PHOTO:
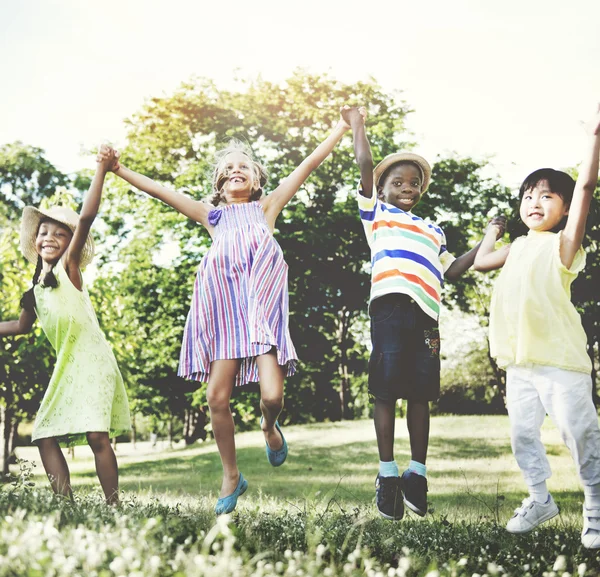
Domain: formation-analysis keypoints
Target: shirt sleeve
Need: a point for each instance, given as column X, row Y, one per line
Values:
column 366, row 204
column 446, row 258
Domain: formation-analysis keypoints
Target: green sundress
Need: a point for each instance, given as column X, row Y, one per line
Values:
column 86, row 391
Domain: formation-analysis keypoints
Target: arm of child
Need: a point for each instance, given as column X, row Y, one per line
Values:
column 362, row 150
column 89, row 211
column 482, row 256
column 19, row 327
column 274, row 203
column 574, row 231
column 186, row 205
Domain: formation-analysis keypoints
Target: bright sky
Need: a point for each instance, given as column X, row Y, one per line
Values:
column 509, row 78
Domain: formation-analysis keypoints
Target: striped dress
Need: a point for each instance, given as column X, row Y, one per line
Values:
column 240, row 302
column 408, row 254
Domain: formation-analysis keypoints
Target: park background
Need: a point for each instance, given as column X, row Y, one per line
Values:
column 487, row 91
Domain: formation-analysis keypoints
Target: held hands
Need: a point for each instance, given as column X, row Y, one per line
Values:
column 498, row 224
column 108, row 158
column 352, row 115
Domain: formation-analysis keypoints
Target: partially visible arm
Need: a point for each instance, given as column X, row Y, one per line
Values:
column 89, row 211
column 274, row 203
column 574, row 231
column 18, row 327
column 362, row 148
column 486, row 258
column 194, row 209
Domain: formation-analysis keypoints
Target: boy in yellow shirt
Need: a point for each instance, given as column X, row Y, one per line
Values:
column 537, row 336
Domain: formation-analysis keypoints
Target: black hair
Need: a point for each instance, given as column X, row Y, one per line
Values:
column 559, row 182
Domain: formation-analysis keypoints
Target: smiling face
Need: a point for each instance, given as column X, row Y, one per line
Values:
column 402, row 184
column 52, row 240
column 238, row 176
column 541, row 209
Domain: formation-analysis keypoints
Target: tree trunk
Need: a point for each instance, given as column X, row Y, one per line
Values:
column 499, row 374
column 6, row 433
column 344, row 391
column 170, row 432
column 133, row 431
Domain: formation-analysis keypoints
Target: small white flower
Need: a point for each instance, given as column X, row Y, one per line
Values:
column 560, row 564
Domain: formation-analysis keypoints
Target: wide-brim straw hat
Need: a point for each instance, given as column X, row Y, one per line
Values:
column 392, row 159
column 30, row 224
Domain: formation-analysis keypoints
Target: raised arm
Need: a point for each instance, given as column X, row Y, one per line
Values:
column 274, row 203
column 194, row 209
column 362, row 149
column 486, row 258
column 19, row 327
column 574, row 231
column 89, row 211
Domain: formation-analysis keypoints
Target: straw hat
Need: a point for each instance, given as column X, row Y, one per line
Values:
column 391, row 159
column 31, row 223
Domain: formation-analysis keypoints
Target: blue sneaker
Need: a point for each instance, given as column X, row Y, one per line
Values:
column 276, row 458
column 227, row 504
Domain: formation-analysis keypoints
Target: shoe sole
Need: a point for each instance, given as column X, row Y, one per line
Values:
column 545, row 518
column 389, row 517
column 414, row 508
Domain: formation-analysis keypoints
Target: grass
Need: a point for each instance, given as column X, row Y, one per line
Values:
column 320, row 504
column 470, row 464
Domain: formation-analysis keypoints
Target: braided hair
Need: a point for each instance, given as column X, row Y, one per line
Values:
column 49, row 281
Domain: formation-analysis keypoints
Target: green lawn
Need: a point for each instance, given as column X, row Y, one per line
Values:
column 470, row 465
column 313, row 516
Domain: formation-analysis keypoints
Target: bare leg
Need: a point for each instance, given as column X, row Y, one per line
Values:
column 385, row 421
column 271, row 396
column 106, row 465
column 55, row 466
column 417, row 417
column 218, row 395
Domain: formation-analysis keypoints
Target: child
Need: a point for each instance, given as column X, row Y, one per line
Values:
column 237, row 328
column 536, row 334
column 409, row 262
column 85, row 400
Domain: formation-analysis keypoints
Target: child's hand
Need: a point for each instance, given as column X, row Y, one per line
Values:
column 352, row 115
column 108, row 157
column 498, row 223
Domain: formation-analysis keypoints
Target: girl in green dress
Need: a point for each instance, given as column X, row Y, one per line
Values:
column 85, row 401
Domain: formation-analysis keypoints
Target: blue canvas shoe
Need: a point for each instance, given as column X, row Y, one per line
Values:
column 227, row 504
column 276, row 458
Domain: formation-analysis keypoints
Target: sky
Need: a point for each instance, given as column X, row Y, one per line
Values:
column 507, row 80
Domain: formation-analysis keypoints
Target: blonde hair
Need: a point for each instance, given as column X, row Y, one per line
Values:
column 219, row 176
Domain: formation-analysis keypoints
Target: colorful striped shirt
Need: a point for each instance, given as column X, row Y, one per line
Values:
column 408, row 254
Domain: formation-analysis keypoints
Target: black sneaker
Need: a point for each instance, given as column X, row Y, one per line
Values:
column 389, row 498
column 414, row 488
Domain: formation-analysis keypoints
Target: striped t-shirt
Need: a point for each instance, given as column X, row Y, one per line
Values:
column 408, row 255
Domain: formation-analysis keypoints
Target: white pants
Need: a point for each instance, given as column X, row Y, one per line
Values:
column 534, row 390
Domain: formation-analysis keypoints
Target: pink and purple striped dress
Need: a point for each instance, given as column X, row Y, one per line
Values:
column 240, row 303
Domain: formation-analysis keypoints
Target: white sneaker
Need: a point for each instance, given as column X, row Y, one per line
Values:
column 590, row 536
column 531, row 514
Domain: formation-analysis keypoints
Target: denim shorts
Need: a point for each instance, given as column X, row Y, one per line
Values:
column 405, row 362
